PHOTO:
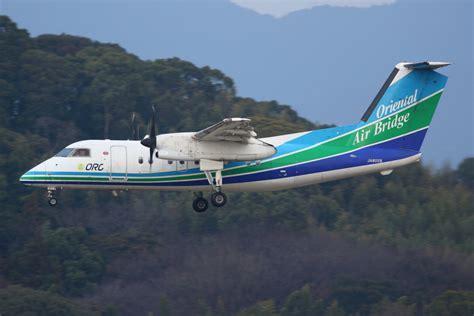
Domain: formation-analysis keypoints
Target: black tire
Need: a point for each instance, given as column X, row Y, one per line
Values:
column 200, row 204
column 218, row 199
column 52, row 202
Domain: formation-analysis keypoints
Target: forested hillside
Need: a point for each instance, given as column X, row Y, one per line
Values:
column 396, row 245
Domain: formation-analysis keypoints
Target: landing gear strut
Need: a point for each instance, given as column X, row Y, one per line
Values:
column 218, row 198
column 52, row 201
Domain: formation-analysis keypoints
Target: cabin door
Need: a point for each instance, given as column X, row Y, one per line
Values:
column 118, row 163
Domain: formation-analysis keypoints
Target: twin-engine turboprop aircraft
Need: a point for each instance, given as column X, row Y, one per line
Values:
column 229, row 156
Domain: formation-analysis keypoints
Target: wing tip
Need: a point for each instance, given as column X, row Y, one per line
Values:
column 236, row 119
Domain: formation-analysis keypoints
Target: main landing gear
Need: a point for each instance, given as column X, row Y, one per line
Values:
column 52, row 201
column 218, row 198
column 200, row 203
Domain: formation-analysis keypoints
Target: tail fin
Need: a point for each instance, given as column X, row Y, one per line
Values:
column 405, row 104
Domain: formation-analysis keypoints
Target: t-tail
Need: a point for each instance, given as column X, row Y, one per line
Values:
column 402, row 110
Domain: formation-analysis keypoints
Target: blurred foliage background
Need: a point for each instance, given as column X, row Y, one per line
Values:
column 372, row 245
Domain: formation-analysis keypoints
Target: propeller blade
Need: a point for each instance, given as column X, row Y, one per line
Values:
column 150, row 139
column 152, row 129
column 134, row 132
column 150, row 160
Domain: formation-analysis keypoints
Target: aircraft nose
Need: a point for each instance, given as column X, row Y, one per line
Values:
column 25, row 176
column 38, row 172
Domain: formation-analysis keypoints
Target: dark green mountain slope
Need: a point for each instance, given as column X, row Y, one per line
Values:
column 373, row 245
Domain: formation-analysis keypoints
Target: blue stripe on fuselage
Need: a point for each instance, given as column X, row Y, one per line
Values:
column 299, row 143
column 385, row 152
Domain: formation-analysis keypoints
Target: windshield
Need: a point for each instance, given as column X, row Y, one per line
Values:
column 74, row 152
column 64, row 152
column 81, row 152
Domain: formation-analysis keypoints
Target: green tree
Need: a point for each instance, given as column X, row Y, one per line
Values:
column 13, row 43
column 465, row 171
column 301, row 303
column 164, row 307
column 20, row 301
column 360, row 296
column 334, row 310
column 59, row 260
column 454, row 303
column 263, row 308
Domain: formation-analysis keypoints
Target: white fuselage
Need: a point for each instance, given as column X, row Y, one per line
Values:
column 123, row 165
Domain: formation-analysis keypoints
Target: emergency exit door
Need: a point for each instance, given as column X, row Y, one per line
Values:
column 118, row 163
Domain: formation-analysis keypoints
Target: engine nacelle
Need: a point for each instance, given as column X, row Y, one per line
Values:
column 182, row 146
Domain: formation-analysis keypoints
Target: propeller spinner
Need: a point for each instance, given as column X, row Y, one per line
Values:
column 150, row 139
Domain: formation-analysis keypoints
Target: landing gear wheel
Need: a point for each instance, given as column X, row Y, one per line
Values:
column 218, row 199
column 200, row 204
column 52, row 201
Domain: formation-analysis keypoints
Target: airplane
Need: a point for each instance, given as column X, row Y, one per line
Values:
column 228, row 156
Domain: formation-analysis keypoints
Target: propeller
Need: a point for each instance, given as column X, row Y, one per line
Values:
column 150, row 139
column 135, row 127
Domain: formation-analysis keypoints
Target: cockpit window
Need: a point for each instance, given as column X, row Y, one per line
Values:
column 74, row 152
column 81, row 152
column 64, row 152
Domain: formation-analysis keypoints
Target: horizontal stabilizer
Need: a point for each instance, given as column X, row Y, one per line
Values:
column 426, row 65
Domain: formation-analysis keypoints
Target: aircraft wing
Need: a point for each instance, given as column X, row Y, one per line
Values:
column 234, row 129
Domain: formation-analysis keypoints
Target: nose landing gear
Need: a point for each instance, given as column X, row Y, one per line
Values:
column 52, row 201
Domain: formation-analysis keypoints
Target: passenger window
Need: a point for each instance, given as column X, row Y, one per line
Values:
column 81, row 152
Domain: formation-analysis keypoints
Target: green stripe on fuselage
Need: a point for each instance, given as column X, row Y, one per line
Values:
column 408, row 120
column 419, row 116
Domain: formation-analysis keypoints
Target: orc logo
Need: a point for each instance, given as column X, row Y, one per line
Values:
column 95, row 166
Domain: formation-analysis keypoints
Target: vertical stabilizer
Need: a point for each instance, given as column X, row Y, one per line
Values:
column 405, row 104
